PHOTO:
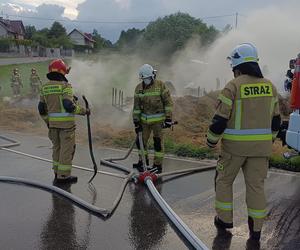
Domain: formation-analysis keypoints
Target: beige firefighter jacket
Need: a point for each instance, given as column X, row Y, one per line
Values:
column 16, row 80
column 249, row 104
column 35, row 80
column 53, row 94
column 152, row 104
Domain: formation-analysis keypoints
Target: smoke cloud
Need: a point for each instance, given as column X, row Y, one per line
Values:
column 272, row 30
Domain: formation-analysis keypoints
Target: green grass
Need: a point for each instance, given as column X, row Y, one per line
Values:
column 25, row 72
column 178, row 149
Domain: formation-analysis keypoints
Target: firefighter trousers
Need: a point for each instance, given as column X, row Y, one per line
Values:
column 16, row 89
column 255, row 171
column 63, row 141
column 35, row 89
column 158, row 142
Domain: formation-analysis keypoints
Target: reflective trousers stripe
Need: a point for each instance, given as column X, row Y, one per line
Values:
column 257, row 214
column 64, row 168
column 143, row 152
column 226, row 206
column 213, row 137
column 159, row 155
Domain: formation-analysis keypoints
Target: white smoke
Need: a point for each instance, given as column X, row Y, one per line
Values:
column 275, row 33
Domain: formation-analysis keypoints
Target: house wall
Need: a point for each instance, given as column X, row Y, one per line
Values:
column 3, row 32
column 89, row 43
column 77, row 38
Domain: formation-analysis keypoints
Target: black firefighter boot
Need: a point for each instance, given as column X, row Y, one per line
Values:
column 254, row 235
column 139, row 165
column 221, row 224
column 66, row 179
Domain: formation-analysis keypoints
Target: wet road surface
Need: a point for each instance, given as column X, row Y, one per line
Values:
column 34, row 219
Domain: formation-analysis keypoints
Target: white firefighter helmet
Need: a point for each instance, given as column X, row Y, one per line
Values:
column 146, row 71
column 243, row 53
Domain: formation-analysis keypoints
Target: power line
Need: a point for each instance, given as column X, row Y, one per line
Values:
column 105, row 21
column 214, row 17
column 78, row 21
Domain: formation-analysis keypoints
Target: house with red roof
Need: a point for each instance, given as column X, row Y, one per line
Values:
column 12, row 29
column 81, row 39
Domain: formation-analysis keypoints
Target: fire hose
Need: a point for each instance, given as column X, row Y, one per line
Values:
column 90, row 139
column 102, row 212
column 147, row 178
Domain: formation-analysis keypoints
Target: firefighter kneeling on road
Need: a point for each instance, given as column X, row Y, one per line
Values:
column 58, row 108
column 151, row 112
column 247, row 119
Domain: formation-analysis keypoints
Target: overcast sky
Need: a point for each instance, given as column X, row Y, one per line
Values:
column 86, row 11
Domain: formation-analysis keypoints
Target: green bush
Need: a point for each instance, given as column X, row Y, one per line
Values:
column 189, row 150
column 277, row 161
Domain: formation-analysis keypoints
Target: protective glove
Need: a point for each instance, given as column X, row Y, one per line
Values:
column 87, row 111
column 167, row 123
column 138, row 127
column 75, row 98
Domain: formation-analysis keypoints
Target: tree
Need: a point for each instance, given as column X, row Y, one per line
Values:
column 57, row 30
column 100, row 42
column 30, row 30
column 175, row 30
column 129, row 38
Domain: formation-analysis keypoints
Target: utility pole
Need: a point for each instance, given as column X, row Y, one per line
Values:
column 236, row 20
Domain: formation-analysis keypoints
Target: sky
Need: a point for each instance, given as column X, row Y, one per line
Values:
column 88, row 14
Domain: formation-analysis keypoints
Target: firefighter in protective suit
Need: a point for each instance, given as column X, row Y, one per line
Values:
column 35, row 82
column 16, row 82
column 247, row 120
column 151, row 112
column 58, row 108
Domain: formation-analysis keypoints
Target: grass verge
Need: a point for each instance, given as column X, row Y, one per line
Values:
column 171, row 147
column 25, row 72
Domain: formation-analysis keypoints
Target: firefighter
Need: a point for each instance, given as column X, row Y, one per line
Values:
column 247, row 120
column 35, row 82
column 58, row 108
column 289, row 76
column 16, row 83
column 152, row 110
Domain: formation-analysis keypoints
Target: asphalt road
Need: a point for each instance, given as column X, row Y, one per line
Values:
column 34, row 219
